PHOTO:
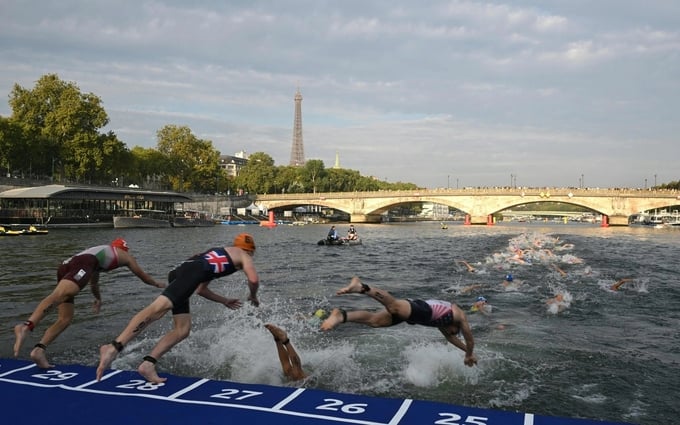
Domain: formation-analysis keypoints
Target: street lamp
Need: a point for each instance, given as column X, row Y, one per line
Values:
column 583, row 183
column 654, row 180
column 448, row 181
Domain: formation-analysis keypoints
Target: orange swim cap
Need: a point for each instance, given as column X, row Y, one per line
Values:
column 245, row 242
column 120, row 243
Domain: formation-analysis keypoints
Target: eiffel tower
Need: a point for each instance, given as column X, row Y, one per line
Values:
column 297, row 152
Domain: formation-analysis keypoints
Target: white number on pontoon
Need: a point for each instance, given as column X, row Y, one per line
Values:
column 141, row 385
column 55, row 375
column 455, row 419
column 229, row 393
column 335, row 405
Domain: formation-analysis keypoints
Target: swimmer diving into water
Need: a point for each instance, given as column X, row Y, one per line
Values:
column 443, row 315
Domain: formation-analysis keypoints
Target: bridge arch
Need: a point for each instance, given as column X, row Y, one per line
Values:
column 617, row 204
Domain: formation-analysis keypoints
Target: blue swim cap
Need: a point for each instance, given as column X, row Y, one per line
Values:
column 508, row 277
column 480, row 298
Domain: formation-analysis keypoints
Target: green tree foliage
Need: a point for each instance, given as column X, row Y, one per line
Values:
column 13, row 146
column 289, row 179
column 148, row 168
column 193, row 163
column 313, row 173
column 258, row 175
column 674, row 185
column 61, row 125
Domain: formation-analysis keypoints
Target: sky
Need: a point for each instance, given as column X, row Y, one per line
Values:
column 554, row 93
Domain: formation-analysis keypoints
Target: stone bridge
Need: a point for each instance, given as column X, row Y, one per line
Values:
column 480, row 204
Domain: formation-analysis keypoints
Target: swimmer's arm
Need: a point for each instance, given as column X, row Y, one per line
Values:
column 620, row 283
column 467, row 335
column 453, row 339
column 140, row 273
column 469, row 345
column 253, row 279
column 208, row 294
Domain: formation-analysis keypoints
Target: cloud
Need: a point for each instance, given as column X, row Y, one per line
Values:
column 405, row 91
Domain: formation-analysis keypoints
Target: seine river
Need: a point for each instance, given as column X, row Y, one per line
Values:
column 610, row 355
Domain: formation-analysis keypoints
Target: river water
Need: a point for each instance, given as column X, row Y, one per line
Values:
column 610, row 355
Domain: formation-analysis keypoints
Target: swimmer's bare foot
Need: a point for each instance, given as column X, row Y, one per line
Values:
column 148, row 370
column 107, row 353
column 20, row 332
column 39, row 357
column 334, row 319
column 279, row 334
column 354, row 287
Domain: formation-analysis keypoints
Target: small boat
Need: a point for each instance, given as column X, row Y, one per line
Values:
column 192, row 218
column 341, row 241
column 32, row 230
column 10, row 232
column 142, row 218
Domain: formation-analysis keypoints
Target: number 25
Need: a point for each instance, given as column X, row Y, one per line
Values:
column 454, row 419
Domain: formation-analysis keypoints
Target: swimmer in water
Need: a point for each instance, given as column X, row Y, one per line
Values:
column 443, row 315
column 467, row 289
column 509, row 283
column 468, row 265
column 481, row 306
column 617, row 285
column 558, row 303
column 559, row 270
column 290, row 361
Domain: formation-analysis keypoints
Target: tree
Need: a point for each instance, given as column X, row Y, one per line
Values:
column 13, row 146
column 62, row 125
column 313, row 171
column 148, row 167
column 193, row 163
column 258, row 175
column 289, row 179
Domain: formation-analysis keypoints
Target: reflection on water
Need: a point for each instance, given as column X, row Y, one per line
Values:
column 608, row 354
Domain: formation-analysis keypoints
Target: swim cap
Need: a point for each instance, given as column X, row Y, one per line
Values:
column 481, row 299
column 245, row 242
column 508, row 277
column 321, row 313
column 120, row 243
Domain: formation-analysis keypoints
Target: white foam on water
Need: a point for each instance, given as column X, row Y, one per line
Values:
column 429, row 364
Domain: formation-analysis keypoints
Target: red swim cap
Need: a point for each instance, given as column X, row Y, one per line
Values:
column 120, row 243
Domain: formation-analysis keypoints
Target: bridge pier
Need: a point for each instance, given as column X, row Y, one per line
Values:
column 365, row 218
column 479, row 219
column 618, row 220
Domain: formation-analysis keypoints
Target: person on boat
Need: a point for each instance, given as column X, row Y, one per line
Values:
column 443, row 315
column 72, row 276
column 332, row 234
column 352, row 234
column 191, row 276
column 289, row 358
